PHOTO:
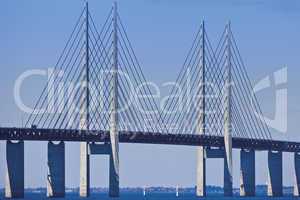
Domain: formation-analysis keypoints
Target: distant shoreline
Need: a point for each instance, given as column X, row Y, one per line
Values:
column 260, row 189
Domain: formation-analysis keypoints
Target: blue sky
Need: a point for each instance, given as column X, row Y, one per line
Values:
column 33, row 33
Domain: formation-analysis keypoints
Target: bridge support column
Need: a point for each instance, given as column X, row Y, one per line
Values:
column 84, row 190
column 201, row 172
column 228, row 174
column 275, row 173
column 56, row 170
column 14, row 187
column 201, row 151
column 114, row 173
column 227, row 120
column 247, row 186
column 297, row 174
column 114, row 134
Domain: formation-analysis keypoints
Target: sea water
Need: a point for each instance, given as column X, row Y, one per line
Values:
column 149, row 196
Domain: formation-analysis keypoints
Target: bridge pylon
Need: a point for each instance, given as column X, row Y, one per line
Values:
column 201, row 157
column 87, row 149
column 113, row 129
column 84, row 188
column 227, row 119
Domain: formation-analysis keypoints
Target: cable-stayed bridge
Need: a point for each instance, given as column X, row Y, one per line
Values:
column 98, row 95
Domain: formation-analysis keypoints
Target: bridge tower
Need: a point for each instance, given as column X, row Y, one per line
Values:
column 114, row 136
column 111, row 148
column 84, row 189
column 227, row 119
column 201, row 155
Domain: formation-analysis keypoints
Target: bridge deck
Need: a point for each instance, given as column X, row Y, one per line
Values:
column 144, row 138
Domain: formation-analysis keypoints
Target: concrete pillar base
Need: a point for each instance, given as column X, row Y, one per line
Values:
column 14, row 187
column 56, row 170
column 113, row 179
column 275, row 174
column 247, row 186
column 228, row 151
column 297, row 174
column 227, row 179
column 84, row 188
column 201, row 172
column 114, row 190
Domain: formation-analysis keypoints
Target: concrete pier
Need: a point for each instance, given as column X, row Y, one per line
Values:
column 297, row 174
column 114, row 174
column 247, row 179
column 14, row 187
column 275, row 173
column 84, row 190
column 227, row 176
column 201, row 172
column 56, row 170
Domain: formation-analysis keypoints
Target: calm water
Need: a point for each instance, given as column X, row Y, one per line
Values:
column 139, row 196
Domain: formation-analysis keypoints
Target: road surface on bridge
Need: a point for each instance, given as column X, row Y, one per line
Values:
column 76, row 135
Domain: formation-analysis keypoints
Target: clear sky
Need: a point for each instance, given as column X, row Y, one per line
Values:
column 33, row 33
